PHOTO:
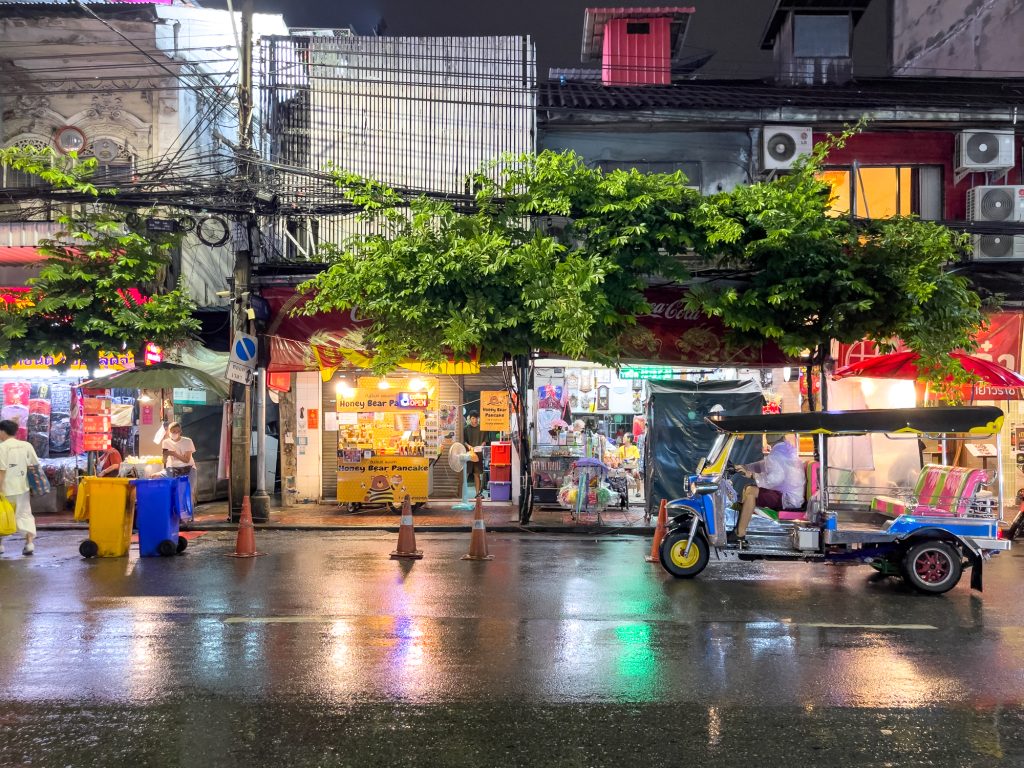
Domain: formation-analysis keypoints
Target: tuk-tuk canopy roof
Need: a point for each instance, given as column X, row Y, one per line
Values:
column 975, row 420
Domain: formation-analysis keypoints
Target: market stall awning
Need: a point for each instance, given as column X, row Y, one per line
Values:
column 668, row 333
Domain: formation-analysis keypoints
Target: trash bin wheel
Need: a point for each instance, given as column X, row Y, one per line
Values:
column 182, row 544
column 166, row 548
column 88, row 548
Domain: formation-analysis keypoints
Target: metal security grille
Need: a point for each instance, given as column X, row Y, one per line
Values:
column 419, row 114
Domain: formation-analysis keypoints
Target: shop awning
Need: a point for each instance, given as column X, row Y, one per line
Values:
column 19, row 255
column 667, row 334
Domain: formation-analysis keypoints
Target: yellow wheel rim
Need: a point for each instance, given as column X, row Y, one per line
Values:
column 685, row 561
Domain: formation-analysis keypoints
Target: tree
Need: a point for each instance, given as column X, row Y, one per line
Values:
column 445, row 278
column 99, row 289
column 808, row 277
column 442, row 278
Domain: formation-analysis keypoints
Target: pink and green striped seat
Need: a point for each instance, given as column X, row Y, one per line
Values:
column 940, row 490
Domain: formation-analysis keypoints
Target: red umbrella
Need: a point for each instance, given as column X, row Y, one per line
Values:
column 903, row 365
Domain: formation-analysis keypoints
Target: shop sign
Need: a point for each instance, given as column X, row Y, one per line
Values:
column 989, row 392
column 494, row 415
column 383, row 480
column 106, row 362
column 647, row 372
column 381, row 401
column 184, row 396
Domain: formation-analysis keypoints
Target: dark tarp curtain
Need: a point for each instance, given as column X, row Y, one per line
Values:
column 678, row 437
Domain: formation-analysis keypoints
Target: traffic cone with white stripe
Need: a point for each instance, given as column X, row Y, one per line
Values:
column 245, row 541
column 478, row 540
column 407, row 535
column 659, row 532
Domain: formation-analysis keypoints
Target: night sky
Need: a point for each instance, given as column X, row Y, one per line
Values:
column 732, row 28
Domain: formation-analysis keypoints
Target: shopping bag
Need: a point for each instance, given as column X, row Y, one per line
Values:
column 38, row 483
column 7, row 524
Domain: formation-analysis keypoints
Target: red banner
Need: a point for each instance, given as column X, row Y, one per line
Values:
column 666, row 334
column 999, row 342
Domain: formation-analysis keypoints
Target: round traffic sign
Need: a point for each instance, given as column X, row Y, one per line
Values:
column 245, row 349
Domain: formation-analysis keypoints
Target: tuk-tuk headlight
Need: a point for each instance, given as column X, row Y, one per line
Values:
column 702, row 487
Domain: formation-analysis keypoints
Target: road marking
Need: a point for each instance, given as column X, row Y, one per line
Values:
column 822, row 625
column 280, row 619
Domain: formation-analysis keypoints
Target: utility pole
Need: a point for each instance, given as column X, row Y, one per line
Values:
column 241, row 422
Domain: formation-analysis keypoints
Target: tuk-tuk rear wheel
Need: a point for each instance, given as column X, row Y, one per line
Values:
column 680, row 565
column 932, row 567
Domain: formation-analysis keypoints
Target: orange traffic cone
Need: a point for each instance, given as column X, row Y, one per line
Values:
column 478, row 540
column 659, row 532
column 245, row 544
column 406, row 535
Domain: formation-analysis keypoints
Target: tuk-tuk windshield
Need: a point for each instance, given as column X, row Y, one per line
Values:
column 712, row 464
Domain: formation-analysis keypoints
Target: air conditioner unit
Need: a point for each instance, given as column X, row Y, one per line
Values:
column 984, row 150
column 998, row 248
column 783, row 144
column 1005, row 203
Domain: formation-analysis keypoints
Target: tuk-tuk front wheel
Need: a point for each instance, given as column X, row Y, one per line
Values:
column 677, row 561
column 932, row 567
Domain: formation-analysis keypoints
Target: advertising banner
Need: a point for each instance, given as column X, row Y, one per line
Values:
column 383, row 480
column 494, row 415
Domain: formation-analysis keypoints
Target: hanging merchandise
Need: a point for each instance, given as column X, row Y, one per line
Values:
column 603, row 401
column 638, row 405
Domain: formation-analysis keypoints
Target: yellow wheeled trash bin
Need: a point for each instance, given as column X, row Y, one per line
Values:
column 108, row 504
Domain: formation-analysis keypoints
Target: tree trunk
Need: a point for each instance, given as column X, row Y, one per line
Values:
column 521, row 373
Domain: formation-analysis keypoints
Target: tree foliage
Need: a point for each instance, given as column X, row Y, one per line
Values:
column 809, row 277
column 555, row 255
column 439, row 279
column 84, row 301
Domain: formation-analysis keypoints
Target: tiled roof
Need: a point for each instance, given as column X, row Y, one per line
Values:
column 920, row 94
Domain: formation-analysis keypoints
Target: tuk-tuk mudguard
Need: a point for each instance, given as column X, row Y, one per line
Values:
column 974, row 553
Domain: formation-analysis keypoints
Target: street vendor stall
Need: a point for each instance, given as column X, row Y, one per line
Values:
column 388, row 437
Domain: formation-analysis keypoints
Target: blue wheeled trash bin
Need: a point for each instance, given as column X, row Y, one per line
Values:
column 158, row 516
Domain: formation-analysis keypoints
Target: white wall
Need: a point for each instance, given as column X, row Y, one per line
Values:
column 307, row 441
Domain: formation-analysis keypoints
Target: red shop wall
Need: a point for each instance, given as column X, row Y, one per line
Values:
column 917, row 148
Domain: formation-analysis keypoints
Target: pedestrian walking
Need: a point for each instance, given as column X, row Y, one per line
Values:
column 16, row 456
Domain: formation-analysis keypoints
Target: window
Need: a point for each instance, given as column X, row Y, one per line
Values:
column 638, row 28
column 821, row 37
column 880, row 192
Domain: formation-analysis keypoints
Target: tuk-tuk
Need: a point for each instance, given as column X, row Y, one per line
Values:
column 926, row 533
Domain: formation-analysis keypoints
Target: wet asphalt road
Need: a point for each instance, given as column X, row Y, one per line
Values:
column 563, row 651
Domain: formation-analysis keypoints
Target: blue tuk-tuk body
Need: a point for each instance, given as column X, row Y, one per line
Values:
column 927, row 534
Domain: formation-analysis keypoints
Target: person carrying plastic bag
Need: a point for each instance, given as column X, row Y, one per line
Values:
column 16, row 456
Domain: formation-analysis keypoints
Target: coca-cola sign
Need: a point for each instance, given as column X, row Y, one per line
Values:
column 667, row 333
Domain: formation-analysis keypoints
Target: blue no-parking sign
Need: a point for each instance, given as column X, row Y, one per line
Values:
column 244, row 349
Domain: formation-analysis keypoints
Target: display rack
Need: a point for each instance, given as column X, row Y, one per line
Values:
column 549, row 466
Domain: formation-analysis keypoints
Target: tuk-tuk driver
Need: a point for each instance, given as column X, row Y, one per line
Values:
column 778, row 484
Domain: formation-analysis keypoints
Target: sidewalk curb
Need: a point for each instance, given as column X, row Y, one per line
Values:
column 545, row 529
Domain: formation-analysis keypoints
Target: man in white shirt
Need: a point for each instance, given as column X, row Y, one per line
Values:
column 778, row 484
column 179, row 455
column 16, row 456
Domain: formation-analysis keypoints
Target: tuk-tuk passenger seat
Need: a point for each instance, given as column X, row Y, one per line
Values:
column 940, row 491
column 810, row 490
